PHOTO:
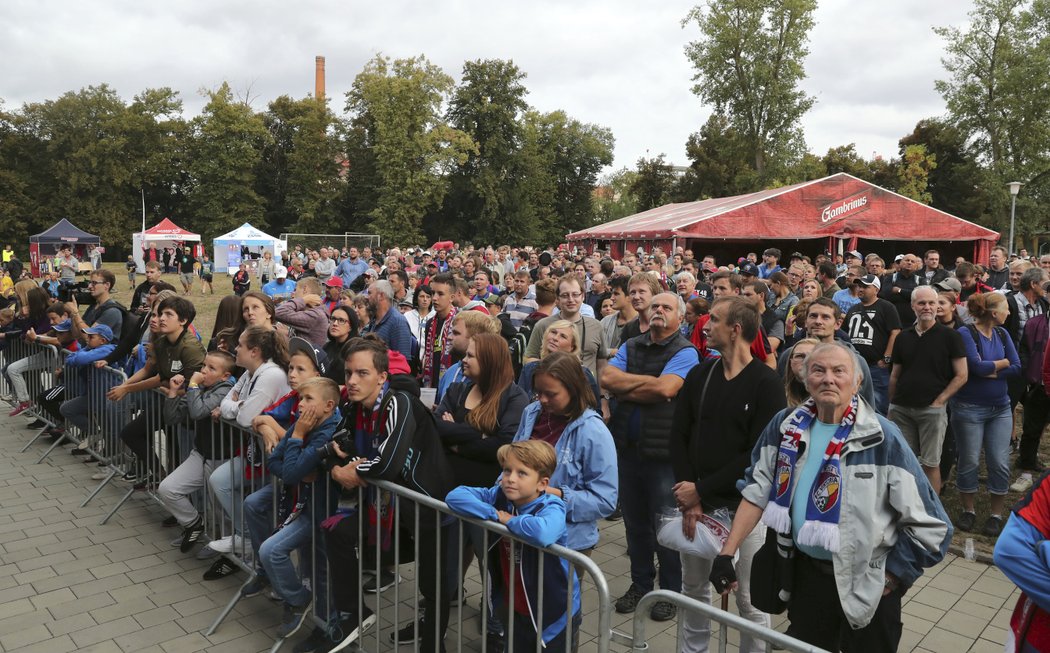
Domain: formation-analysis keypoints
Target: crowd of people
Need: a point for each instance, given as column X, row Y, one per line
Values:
column 823, row 402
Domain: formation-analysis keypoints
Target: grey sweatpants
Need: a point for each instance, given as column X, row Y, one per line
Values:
column 186, row 479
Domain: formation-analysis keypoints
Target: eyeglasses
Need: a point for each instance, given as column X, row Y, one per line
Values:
column 340, row 320
column 95, row 283
column 570, row 295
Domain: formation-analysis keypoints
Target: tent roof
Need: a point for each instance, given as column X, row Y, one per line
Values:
column 168, row 230
column 65, row 231
column 246, row 232
column 840, row 205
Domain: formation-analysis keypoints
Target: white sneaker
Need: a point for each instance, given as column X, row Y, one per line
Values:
column 1023, row 483
column 229, row 544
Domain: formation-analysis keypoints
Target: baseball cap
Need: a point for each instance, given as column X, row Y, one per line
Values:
column 949, row 283
column 64, row 325
column 854, row 254
column 749, row 268
column 299, row 345
column 280, row 272
column 334, row 282
column 100, row 330
column 868, row 280
column 898, row 258
column 370, row 272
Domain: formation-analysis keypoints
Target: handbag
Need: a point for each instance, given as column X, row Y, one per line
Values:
column 772, row 573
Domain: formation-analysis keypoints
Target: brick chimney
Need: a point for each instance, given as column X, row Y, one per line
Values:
column 319, row 77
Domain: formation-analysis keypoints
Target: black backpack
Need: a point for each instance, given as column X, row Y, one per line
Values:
column 129, row 332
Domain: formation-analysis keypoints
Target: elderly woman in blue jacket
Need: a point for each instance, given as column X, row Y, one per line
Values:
column 564, row 415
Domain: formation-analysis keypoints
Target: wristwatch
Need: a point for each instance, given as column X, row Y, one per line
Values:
column 887, row 359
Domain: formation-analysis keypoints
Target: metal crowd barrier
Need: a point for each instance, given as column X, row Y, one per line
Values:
column 727, row 621
column 417, row 526
column 29, row 369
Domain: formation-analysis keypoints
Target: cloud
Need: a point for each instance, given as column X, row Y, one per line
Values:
column 616, row 63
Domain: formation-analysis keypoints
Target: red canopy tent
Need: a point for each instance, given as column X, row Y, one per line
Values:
column 163, row 234
column 838, row 213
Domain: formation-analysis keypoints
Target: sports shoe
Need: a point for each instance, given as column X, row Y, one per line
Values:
column 221, row 568
column 129, row 476
column 147, row 482
column 615, row 515
column 966, row 521
column 385, row 579
column 293, row 619
column 191, row 535
column 228, row 544
column 80, row 449
column 663, row 611
column 629, row 601
column 350, row 631
column 19, row 409
column 36, row 424
column 407, row 633
column 100, row 475
column 993, row 526
column 255, row 586
column 1022, row 484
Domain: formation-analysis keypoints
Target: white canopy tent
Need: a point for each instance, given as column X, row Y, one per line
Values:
column 230, row 248
column 164, row 234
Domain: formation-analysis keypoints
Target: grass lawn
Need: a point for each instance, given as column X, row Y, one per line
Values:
column 206, row 305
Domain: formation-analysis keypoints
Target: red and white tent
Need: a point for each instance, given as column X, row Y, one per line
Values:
column 164, row 234
column 837, row 213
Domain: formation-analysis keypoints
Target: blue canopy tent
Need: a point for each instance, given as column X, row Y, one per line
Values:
column 228, row 250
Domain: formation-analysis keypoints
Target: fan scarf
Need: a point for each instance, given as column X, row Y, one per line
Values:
column 429, row 373
column 820, row 528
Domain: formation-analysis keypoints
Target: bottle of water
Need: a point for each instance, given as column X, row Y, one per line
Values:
column 968, row 550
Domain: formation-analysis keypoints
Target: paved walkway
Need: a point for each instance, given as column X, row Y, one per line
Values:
column 69, row 584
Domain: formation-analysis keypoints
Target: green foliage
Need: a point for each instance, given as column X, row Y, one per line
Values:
column 398, row 103
column 224, row 152
column 914, row 173
column 613, row 198
column 749, row 63
column 720, row 163
column 953, row 185
column 654, row 183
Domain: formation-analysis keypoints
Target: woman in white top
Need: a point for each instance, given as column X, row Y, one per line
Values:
column 423, row 311
column 263, row 353
column 267, row 268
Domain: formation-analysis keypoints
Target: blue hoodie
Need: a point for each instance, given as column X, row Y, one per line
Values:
column 540, row 523
column 292, row 460
column 586, row 473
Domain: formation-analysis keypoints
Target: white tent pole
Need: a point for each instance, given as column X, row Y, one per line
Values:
column 143, row 190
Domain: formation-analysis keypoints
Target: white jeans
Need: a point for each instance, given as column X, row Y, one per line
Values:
column 696, row 629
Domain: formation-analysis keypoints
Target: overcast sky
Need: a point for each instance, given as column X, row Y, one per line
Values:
column 617, row 63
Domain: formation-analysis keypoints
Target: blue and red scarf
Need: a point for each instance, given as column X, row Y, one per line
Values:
column 820, row 528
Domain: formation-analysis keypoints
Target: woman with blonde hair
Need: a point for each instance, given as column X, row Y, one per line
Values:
column 794, row 383
column 559, row 336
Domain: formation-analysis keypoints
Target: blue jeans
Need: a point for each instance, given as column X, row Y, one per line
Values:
column 274, row 550
column 880, row 382
column 645, row 490
column 225, row 481
column 980, row 427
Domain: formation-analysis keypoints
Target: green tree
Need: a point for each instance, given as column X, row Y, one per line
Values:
column 299, row 174
column 398, row 104
column 487, row 105
column 953, row 184
column 224, row 153
column 613, row 198
column 844, row 158
column 157, row 140
column 749, row 63
column 720, row 165
column 914, row 173
column 654, row 183
column 573, row 154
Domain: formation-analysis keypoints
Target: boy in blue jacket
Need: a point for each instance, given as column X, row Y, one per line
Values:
column 520, row 501
column 99, row 345
column 295, row 461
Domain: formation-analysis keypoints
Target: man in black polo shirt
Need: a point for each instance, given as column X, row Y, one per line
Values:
column 873, row 325
column 929, row 366
column 722, row 409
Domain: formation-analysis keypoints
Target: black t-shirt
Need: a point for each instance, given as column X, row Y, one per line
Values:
column 704, row 291
column 869, row 328
column 186, row 263
column 713, row 447
column 926, row 364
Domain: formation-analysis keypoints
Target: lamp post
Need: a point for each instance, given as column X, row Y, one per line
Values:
column 1015, row 187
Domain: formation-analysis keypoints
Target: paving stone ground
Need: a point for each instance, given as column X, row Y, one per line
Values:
column 70, row 584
